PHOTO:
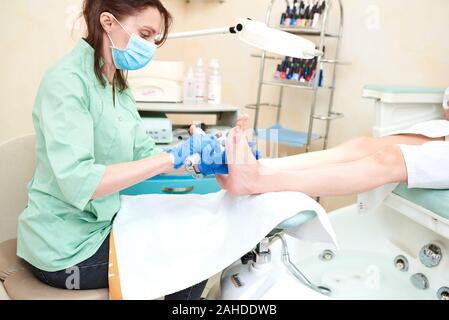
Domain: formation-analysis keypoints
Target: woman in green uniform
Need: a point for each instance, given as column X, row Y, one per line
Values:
column 91, row 144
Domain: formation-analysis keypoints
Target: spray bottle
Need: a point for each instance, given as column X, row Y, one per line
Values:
column 189, row 87
column 214, row 83
column 200, row 81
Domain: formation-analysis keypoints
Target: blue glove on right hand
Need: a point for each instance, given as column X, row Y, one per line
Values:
column 195, row 144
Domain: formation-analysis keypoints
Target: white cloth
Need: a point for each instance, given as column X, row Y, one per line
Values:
column 428, row 164
column 166, row 243
column 431, row 129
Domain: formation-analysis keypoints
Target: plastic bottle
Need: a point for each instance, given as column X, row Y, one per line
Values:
column 214, row 83
column 189, row 87
column 200, row 81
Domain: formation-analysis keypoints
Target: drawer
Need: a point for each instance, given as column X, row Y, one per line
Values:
column 174, row 184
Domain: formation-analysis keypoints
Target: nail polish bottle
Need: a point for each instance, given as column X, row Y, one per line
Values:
column 313, row 70
column 306, row 17
column 322, row 9
column 301, row 70
column 298, row 15
column 307, row 72
column 287, row 21
column 317, row 15
column 296, row 72
column 293, row 19
column 287, row 71
column 313, row 9
column 296, row 5
column 301, row 12
column 298, row 20
column 304, row 72
column 301, row 78
column 277, row 74
column 313, row 14
column 310, row 17
column 290, row 74
column 283, row 17
column 296, row 8
column 302, row 7
column 283, row 72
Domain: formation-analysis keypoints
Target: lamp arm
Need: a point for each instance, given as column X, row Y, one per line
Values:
column 259, row 35
column 206, row 32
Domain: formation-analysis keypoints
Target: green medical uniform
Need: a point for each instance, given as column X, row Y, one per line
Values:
column 79, row 131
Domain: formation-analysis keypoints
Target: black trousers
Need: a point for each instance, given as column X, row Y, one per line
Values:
column 93, row 274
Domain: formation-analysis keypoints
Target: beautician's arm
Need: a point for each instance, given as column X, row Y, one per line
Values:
column 123, row 175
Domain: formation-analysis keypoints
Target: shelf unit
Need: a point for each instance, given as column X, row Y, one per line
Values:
column 292, row 137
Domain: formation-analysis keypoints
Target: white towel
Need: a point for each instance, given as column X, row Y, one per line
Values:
column 166, row 243
column 431, row 129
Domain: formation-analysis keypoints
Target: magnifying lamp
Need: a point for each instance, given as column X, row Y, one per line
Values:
column 259, row 35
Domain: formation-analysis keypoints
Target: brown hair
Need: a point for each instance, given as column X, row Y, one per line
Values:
column 92, row 9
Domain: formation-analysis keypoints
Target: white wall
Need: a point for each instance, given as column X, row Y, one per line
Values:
column 403, row 42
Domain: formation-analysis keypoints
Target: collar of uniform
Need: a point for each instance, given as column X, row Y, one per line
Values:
column 84, row 50
column 88, row 53
column 83, row 45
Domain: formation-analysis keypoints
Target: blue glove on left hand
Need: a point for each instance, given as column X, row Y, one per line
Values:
column 195, row 144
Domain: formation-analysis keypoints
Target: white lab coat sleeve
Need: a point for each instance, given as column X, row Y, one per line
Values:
column 427, row 165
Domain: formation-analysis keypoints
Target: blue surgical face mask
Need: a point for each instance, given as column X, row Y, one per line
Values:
column 138, row 53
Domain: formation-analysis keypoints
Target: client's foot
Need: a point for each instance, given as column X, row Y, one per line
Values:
column 243, row 166
column 242, row 122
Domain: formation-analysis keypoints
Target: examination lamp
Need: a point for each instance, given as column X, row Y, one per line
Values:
column 259, row 35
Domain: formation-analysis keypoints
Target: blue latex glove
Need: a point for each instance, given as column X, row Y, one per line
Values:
column 195, row 144
column 214, row 161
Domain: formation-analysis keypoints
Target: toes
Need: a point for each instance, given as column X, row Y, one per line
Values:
column 242, row 122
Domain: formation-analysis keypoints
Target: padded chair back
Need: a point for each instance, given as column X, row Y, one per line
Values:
column 17, row 165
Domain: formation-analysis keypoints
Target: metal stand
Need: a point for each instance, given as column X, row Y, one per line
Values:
column 331, row 115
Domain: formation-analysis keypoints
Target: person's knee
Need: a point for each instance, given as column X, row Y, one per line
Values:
column 389, row 156
column 390, row 164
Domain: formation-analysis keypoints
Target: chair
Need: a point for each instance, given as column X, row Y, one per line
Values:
column 17, row 163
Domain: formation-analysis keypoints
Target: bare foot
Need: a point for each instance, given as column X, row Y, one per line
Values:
column 242, row 122
column 243, row 166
